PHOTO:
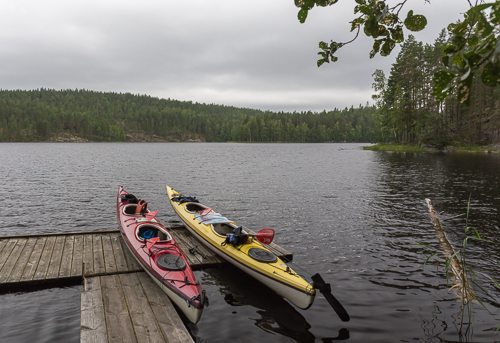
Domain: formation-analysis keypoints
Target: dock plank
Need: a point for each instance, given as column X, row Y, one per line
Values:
column 43, row 263
column 92, row 320
column 56, row 258
column 10, row 263
column 9, row 246
column 21, row 263
column 67, row 257
column 76, row 264
column 141, row 314
column 121, row 261
column 191, row 258
column 131, row 261
column 119, row 325
column 168, row 320
column 88, row 254
column 3, row 243
column 205, row 256
column 109, row 257
column 99, row 267
column 31, row 266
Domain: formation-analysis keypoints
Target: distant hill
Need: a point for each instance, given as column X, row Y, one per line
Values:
column 83, row 115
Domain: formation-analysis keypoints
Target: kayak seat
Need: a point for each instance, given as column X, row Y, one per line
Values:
column 141, row 207
column 129, row 209
column 193, row 207
column 145, row 232
column 223, row 229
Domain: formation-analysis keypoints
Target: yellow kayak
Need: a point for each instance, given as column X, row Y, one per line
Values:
column 250, row 255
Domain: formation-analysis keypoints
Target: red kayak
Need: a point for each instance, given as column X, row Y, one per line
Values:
column 158, row 253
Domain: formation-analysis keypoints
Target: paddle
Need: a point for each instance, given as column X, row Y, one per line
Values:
column 326, row 290
column 205, row 211
column 265, row 236
column 151, row 215
column 152, row 241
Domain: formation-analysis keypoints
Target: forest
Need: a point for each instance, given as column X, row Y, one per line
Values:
column 44, row 114
column 408, row 113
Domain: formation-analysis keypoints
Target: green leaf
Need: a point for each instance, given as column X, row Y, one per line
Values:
column 477, row 233
column 429, row 257
column 397, row 34
column 320, row 62
column 324, row 3
column 334, row 46
column 323, row 45
column 446, row 60
column 464, row 89
column 303, row 15
column 472, row 58
column 477, row 9
column 495, row 13
column 415, row 22
column 450, row 49
column 356, row 22
column 381, row 31
column 458, row 60
column 366, row 10
column 389, row 44
column 376, row 44
column 376, row 47
column 371, row 27
column 484, row 28
column 389, row 20
column 473, row 40
column 459, row 41
column 488, row 76
column 461, row 28
column 442, row 84
column 361, row 2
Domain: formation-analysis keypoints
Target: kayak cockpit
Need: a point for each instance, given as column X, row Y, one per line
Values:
column 148, row 231
column 193, row 207
column 223, row 229
column 130, row 210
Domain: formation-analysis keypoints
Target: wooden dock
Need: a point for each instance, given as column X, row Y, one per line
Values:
column 120, row 303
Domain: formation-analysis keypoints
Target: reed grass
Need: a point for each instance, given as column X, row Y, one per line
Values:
column 466, row 281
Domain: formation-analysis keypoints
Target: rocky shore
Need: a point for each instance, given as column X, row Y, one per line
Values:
column 131, row 137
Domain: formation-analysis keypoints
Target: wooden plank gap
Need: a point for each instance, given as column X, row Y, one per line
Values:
column 93, row 321
column 118, row 321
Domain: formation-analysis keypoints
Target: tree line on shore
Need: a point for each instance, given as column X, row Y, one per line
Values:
column 407, row 111
column 40, row 114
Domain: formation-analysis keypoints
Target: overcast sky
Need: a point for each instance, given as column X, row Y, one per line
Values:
column 242, row 53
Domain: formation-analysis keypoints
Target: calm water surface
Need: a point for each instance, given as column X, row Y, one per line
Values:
column 354, row 216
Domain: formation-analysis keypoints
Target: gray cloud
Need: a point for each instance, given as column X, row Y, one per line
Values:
column 243, row 53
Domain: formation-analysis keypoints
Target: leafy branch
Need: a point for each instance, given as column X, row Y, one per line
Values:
column 475, row 41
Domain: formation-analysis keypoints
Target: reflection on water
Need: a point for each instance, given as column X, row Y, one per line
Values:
column 354, row 216
column 265, row 309
column 271, row 312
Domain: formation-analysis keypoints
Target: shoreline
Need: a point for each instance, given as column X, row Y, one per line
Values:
column 459, row 148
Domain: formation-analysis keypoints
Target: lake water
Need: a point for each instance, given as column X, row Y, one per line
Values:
column 355, row 216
